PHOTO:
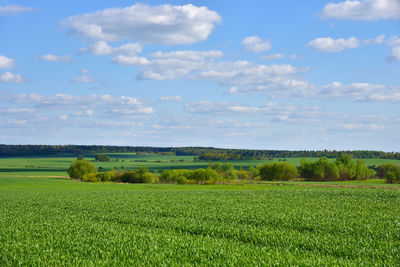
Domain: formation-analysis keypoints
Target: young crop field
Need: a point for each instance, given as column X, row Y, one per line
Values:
column 53, row 221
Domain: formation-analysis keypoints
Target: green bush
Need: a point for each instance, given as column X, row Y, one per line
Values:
column 80, row 168
column 227, row 171
column 190, row 176
column 106, row 176
column 102, row 157
column 243, row 175
column 202, row 175
column 140, row 176
column 90, row 177
column 174, row 176
column 321, row 170
column 280, row 171
column 390, row 172
column 344, row 168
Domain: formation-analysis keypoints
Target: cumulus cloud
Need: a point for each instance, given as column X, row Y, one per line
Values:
column 54, row 58
column 130, row 60
column 256, row 44
column 364, row 127
column 13, row 111
column 82, row 79
column 188, row 54
column 395, row 55
column 362, row 10
column 90, row 104
column 164, row 24
column 378, row 40
column 6, row 62
column 360, row 92
column 244, row 77
column 101, row 48
column 241, row 76
column 327, row 44
column 273, row 56
column 15, row 9
column 273, row 111
column 85, row 77
column 169, row 65
column 9, row 77
column 393, row 41
column 173, row 98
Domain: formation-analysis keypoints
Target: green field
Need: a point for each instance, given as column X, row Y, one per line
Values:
column 57, row 165
column 59, row 222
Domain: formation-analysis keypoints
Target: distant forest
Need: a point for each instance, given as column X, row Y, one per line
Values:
column 202, row 153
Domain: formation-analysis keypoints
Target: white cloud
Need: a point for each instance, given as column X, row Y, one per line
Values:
column 164, row 24
column 82, row 79
column 173, row 98
column 327, row 44
column 271, row 111
column 169, row 65
column 273, row 56
column 14, row 9
column 89, row 105
column 6, row 62
column 54, row 58
column 393, row 41
column 88, row 112
column 256, row 44
column 241, row 76
column 9, row 77
column 130, row 60
column 360, row 92
column 169, row 60
column 63, row 117
column 395, row 55
column 188, row 54
column 364, row 127
column 378, row 40
column 362, row 10
column 13, row 111
column 278, row 81
column 132, row 111
column 101, row 48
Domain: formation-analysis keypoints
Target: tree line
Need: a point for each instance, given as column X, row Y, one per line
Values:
column 342, row 169
column 206, row 152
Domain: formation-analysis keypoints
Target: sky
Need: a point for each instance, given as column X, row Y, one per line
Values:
column 277, row 74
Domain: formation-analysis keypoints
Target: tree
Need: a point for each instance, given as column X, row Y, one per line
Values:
column 102, row 157
column 320, row 170
column 390, row 172
column 80, row 168
column 281, row 171
column 229, row 171
column 142, row 175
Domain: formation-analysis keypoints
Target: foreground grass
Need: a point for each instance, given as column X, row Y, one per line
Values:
column 60, row 222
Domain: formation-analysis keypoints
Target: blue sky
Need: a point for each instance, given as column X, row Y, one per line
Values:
column 240, row 74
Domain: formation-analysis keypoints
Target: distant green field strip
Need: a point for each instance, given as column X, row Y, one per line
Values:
column 57, row 165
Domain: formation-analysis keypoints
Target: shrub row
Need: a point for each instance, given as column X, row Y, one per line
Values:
column 344, row 168
column 390, row 172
